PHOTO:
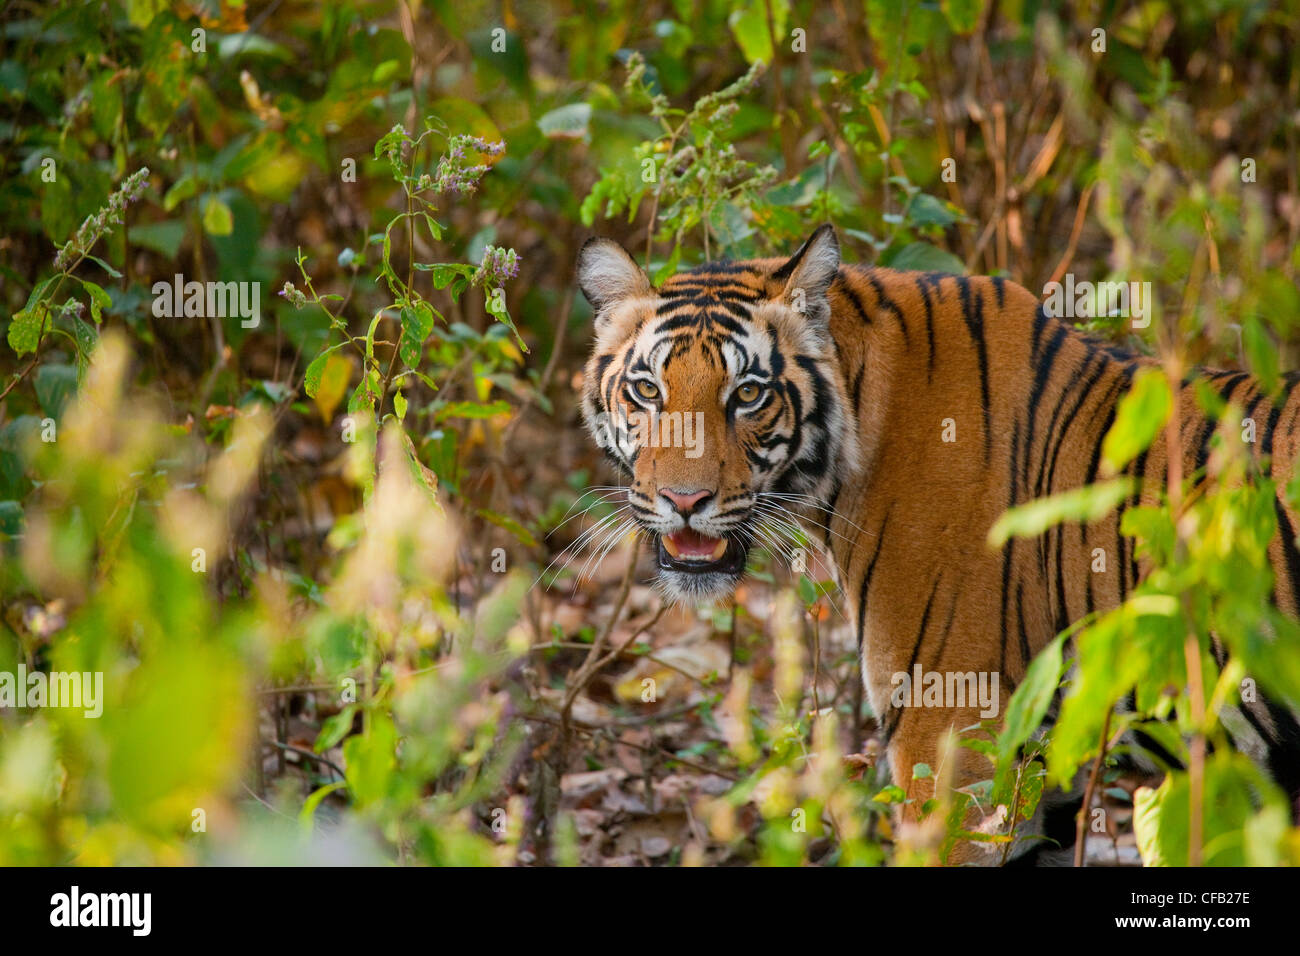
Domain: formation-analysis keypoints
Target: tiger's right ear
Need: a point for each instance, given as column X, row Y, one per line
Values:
column 607, row 274
column 808, row 275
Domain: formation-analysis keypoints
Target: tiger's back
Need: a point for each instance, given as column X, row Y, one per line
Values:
column 1026, row 402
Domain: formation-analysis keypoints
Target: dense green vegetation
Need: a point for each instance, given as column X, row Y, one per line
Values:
column 313, row 546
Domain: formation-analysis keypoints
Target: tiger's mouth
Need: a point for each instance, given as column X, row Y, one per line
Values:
column 692, row 552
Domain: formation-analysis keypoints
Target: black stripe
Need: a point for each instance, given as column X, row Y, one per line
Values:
column 864, row 587
column 1268, row 429
column 1025, row 653
column 1007, row 548
column 1122, row 381
column 1289, row 549
column 1284, row 756
column 929, row 324
column 894, row 714
column 1043, row 368
column 886, row 302
column 857, row 391
column 947, row 628
column 851, row 294
column 1139, row 478
column 1081, row 389
column 1088, row 603
column 973, row 313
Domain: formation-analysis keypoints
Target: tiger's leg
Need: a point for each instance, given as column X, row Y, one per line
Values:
column 928, row 735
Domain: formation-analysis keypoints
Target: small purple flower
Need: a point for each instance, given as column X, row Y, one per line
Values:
column 453, row 175
column 498, row 265
column 111, row 213
column 296, row 298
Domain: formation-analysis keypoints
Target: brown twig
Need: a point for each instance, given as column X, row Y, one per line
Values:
column 310, row 755
column 1080, row 832
column 23, row 374
column 595, row 660
column 1079, row 214
column 595, row 730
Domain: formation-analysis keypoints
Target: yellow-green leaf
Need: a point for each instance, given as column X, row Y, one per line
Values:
column 1088, row 503
column 331, row 384
column 217, row 218
column 1141, row 415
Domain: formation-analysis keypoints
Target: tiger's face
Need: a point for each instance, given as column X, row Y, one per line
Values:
column 720, row 399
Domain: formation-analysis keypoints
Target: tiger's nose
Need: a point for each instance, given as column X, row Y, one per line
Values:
column 686, row 502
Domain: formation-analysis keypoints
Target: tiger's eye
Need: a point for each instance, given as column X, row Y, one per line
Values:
column 749, row 393
column 647, row 390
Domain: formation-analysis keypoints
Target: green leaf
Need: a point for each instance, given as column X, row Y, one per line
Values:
column 669, row 267
column 163, row 237
column 1233, row 791
column 1140, row 416
column 923, row 257
column 141, row 12
column 87, row 339
column 326, row 380
column 425, row 478
column 511, row 63
column 14, row 483
column 807, row 590
column 393, row 139
column 566, row 122
column 1147, row 805
column 748, row 23
column 417, row 324
column 371, row 759
column 801, row 190
column 182, row 189
column 311, row 378
column 926, row 210
column 472, row 410
column 308, row 811
column 99, row 299
column 54, row 385
column 1028, row 706
column 521, row 534
column 444, row 273
column 1031, row 519
column 104, row 265
column 27, row 325
column 25, row 330
column 962, row 15
column 366, row 393
column 335, row 728
column 501, row 314
column 217, row 217
column 399, row 406
column 11, row 517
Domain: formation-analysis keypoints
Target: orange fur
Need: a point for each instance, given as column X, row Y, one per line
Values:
column 903, row 353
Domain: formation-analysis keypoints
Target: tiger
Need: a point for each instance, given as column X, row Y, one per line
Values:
column 897, row 414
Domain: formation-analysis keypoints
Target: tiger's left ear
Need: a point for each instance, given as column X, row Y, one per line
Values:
column 809, row 273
